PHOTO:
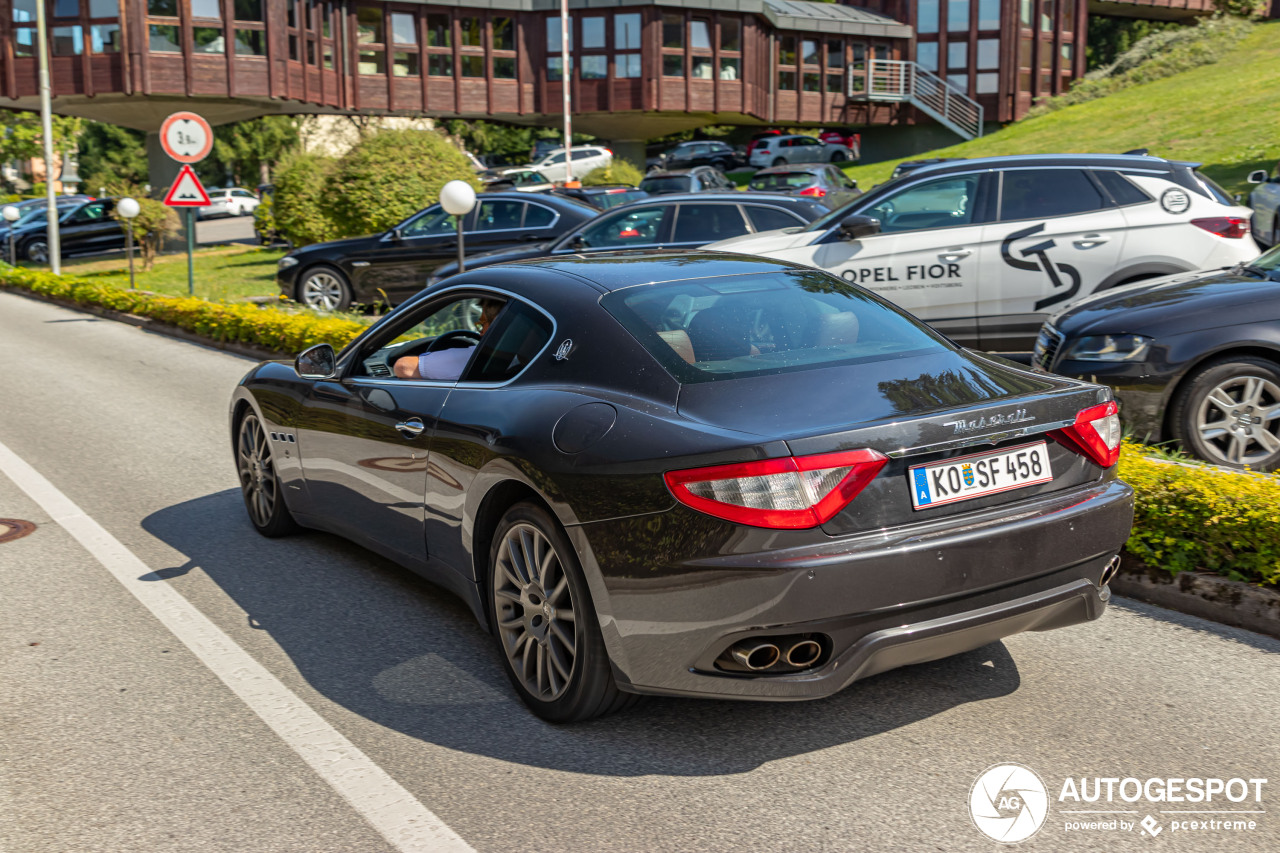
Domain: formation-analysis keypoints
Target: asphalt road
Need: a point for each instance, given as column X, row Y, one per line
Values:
column 119, row 732
column 226, row 229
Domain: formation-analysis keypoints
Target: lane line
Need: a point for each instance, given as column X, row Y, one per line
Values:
column 394, row 812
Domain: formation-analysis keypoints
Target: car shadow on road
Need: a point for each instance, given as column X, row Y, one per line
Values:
column 378, row 640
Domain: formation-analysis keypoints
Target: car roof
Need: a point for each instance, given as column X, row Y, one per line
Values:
column 729, row 196
column 1097, row 161
column 674, row 173
column 810, row 168
column 616, row 270
column 554, row 198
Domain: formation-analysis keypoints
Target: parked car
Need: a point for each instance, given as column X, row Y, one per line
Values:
column 523, row 179
column 687, row 155
column 1193, row 358
column 1265, row 201
column 763, row 481
column 604, row 196
column 697, row 179
column 825, row 182
column 785, row 150
column 83, row 229
column 232, row 201
column 662, row 222
column 543, row 147
column 757, row 137
column 393, row 265
column 33, row 208
column 585, row 158
column 845, row 137
column 985, row 249
column 908, row 166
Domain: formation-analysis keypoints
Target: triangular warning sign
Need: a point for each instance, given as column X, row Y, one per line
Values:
column 187, row 191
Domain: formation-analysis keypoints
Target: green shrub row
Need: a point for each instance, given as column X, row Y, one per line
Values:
column 1197, row 517
column 282, row 331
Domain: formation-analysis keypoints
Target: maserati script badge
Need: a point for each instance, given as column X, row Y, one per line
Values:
column 1017, row 416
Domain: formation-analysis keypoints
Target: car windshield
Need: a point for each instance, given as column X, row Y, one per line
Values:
column 783, row 181
column 1270, row 260
column 729, row 327
column 666, row 184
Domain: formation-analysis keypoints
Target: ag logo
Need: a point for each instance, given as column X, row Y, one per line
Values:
column 1175, row 201
column 1008, row 803
column 1040, row 251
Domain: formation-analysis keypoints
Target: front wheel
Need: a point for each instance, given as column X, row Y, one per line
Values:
column 37, row 251
column 1228, row 413
column 259, row 483
column 325, row 289
column 541, row 612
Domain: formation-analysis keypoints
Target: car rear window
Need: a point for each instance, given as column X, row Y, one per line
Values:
column 727, row 327
column 1219, row 194
column 672, row 184
column 783, row 181
column 613, row 198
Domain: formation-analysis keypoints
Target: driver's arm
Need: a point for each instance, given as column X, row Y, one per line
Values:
column 406, row 367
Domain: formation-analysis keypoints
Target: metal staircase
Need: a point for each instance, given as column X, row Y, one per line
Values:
column 895, row 80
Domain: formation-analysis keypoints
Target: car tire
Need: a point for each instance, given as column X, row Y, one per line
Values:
column 324, row 289
column 534, row 581
column 720, row 166
column 37, row 251
column 779, row 161
column 1220, row 413
column 259, row 483
column 838, row 156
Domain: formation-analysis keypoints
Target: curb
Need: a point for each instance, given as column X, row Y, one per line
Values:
column 253, row 351
column 1201, row 594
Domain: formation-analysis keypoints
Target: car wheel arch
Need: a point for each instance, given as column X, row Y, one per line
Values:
column 1140, row 272
column 301, row 277
column 1225, row 352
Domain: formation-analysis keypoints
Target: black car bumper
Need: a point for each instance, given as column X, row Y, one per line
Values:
column 1141, row 391
column 879, row 600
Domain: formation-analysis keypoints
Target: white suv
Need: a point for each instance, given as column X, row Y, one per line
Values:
column 233, row 201
column 585, row 158
column 984, row 250
column 785, row 150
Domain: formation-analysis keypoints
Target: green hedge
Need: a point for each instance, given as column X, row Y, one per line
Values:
column 1191, row 516
column 282, row 331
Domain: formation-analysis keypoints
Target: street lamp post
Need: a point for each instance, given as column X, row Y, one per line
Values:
column 458, row 198
column 11, row 215
column 129, row 209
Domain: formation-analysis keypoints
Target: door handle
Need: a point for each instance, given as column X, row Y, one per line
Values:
column 954, row 254
column 411, row 428
column 1088, row 241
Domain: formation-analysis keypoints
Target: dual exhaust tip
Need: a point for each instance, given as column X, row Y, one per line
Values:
column 793, row 653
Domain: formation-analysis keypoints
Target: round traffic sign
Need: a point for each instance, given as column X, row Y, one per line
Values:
column 186, row 137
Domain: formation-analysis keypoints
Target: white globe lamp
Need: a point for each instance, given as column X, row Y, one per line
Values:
column 129, row 208
column 457, row 198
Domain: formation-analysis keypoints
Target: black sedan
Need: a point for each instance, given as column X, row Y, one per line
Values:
column 1193, row 358
column 393, row 265
column 84, row 228
column 603, row 196
column 694, row 475
column 717, row 155
column 820, row 180
column 697, row 179
column 664, row 222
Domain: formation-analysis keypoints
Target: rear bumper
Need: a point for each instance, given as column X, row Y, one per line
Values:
column 884, row 599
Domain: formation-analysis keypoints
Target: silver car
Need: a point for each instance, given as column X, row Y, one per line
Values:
column 785, row 150
column 1265, row 201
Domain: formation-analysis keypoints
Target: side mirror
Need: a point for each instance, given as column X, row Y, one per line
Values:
column 578, row 242
column 318, row 362
column 1258, row 177
column 856, row 226
column 397, row 234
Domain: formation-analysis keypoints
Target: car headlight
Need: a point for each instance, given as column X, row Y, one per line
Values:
column 286, row 262
column 1108, row 348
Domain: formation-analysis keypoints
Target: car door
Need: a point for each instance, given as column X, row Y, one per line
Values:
column 1058, row 237
column 364, row 436
column 808, row 150
column 699, row 223
column 498, row 224
column 552, row 168
column 399, row 263
column 91, row 229
column 644, row 227
column 929, row 256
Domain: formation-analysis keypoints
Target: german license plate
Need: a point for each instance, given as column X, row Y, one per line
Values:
column 980, row 474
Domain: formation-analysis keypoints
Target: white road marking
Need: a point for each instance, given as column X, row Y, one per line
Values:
column 407, row 824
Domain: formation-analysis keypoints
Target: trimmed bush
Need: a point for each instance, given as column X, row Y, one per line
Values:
column 391, row 174
column 1191, row 516
column 302, row 204
column 617, row 172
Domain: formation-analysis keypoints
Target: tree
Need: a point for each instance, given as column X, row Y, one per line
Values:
column 109, row 153
column 247, row 151
column 155, row 222
column 22, row 136
column 617, row 172
column 302, row 201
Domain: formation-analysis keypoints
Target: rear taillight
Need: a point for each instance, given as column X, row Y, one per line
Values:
column 1224, row 226
column 793, row 492
column 1095, row 434
column 813, row 192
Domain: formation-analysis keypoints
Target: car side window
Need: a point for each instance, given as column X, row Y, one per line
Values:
column 499, row 215
column 939, row 203
column 1121, row 188
column 585, row 153
column 555, row 158
column 1044, row 193
column 515, row 340
column 625, row 228
column 91, row 212
column 537, row 216
column 770, row 218
column 431, row 222
column 706, row 223
column 459, row 318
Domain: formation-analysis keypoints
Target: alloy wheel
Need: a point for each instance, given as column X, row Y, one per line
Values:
column 535, row 612
column 257, row 475
column 322, row 290
column 38, row 252
column 1238, row 420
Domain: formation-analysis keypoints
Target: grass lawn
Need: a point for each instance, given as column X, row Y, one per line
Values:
column 1222, row 115
column 221, row 273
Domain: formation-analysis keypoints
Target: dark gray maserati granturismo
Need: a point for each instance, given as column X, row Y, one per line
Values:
column 694, row 475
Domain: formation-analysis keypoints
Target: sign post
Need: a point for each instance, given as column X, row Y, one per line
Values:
column 187, row 138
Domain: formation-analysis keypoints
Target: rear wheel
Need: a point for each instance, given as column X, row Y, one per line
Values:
column 779, row 161
column 838, row 156
column 546, row 627
column 1228, row 413
column 325, row 289
column 259, row 483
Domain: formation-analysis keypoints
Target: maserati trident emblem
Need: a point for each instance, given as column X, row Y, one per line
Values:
column 1017, row 416
column 564, row 349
